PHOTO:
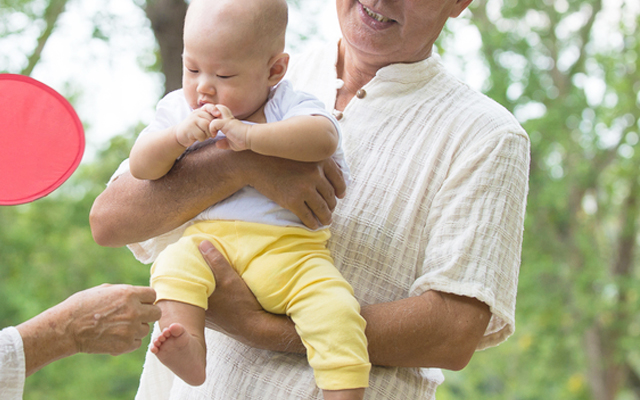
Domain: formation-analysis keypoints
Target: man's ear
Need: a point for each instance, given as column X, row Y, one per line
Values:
column 277, row 68
column 459, row 7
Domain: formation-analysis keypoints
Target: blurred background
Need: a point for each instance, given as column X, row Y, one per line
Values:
column 568, row 70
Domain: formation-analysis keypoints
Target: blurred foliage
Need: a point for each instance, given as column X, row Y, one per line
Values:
column 47, row 253
column 568, row 71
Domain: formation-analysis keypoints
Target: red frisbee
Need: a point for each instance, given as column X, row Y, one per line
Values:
column 41, row 139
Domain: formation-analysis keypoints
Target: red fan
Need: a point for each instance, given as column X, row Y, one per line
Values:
column 41, row 139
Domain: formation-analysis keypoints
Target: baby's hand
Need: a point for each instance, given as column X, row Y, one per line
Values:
column 195, row 128
column 236, row 132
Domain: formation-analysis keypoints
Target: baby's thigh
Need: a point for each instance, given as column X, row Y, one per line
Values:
column 284, row 283
column 180, row 272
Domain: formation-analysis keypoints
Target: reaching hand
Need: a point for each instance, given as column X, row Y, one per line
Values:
column 236, row 132
column 106, row 319
column 111, row 319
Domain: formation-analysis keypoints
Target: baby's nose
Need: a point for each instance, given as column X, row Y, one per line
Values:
column 206, row 87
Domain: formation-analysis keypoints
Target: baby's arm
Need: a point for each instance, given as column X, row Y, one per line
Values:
column 153, row 155
column 308, row 138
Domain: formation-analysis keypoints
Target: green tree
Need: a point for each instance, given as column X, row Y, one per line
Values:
column 25, row 12
column 568, row 70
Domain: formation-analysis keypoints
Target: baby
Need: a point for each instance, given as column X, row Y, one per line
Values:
column 233, row 66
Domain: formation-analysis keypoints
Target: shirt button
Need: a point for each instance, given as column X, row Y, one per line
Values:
column 361, row 94
column 338, row 114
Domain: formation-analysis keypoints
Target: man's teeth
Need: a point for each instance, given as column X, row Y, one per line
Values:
column 376, row 16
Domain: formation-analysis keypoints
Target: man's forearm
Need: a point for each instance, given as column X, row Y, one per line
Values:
column 45, row 339
column 273, row 332
column 435, row 330
column 132, row 210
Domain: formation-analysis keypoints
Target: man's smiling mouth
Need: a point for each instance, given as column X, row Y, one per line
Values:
column 376, row 16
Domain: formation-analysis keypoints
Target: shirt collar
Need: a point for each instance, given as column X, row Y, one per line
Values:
column 419, row 71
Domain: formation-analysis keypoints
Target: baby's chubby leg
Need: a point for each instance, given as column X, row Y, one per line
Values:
column 181, row 344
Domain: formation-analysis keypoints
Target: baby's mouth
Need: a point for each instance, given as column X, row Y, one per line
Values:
column 374, row 15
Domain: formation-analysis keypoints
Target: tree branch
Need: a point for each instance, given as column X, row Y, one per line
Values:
column 51, row 15
column 585, row 32
column 167, row 21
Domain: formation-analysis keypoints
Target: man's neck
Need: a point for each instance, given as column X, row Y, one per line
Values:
column 355, row 74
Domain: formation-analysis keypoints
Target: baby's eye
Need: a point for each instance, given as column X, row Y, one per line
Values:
column 193, row 71
column 225, row 76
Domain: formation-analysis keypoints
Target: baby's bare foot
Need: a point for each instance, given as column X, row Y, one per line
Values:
column 182, row 353
column 174, row 337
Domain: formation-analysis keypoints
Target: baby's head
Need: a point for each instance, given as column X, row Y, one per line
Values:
column 233, row 53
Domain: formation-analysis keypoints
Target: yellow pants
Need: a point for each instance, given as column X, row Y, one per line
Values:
column 290, row 271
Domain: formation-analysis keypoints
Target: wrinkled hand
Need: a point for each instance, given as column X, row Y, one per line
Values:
column 236, row 132
column 111, row 319
column 195, row 128
column 309, row 190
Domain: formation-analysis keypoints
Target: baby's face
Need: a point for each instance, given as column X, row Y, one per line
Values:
column 220, row 72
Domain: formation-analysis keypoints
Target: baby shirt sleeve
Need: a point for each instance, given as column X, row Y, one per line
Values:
column 285, row 102
column 170, row 110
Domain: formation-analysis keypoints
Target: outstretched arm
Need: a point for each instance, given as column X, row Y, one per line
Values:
column 432, row 330
column 131, row 210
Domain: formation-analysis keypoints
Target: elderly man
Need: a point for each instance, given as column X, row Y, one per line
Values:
column 429, row 233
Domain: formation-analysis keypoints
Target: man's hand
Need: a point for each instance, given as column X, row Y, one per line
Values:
column 232, row 304
column 128, row 210
column 108, row 319
column 234, row 310
column 309, row 190
column 111, row 319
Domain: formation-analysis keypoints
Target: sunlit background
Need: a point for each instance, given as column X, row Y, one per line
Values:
column 102, row 54
column 567, row 69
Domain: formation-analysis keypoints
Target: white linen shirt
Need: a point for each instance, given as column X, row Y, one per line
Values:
column 436, row 202
column 12, row 364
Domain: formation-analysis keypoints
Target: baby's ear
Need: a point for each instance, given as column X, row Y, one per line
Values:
column 278, row 68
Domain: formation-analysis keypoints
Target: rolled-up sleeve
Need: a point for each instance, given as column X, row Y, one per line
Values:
column 476, row 229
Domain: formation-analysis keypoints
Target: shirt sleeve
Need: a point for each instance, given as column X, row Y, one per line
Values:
column 12, row 364
column 285, row 102
column 170, row 110
column 476, row 230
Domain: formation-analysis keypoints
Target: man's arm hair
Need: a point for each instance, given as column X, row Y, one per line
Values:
column 132, row 210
